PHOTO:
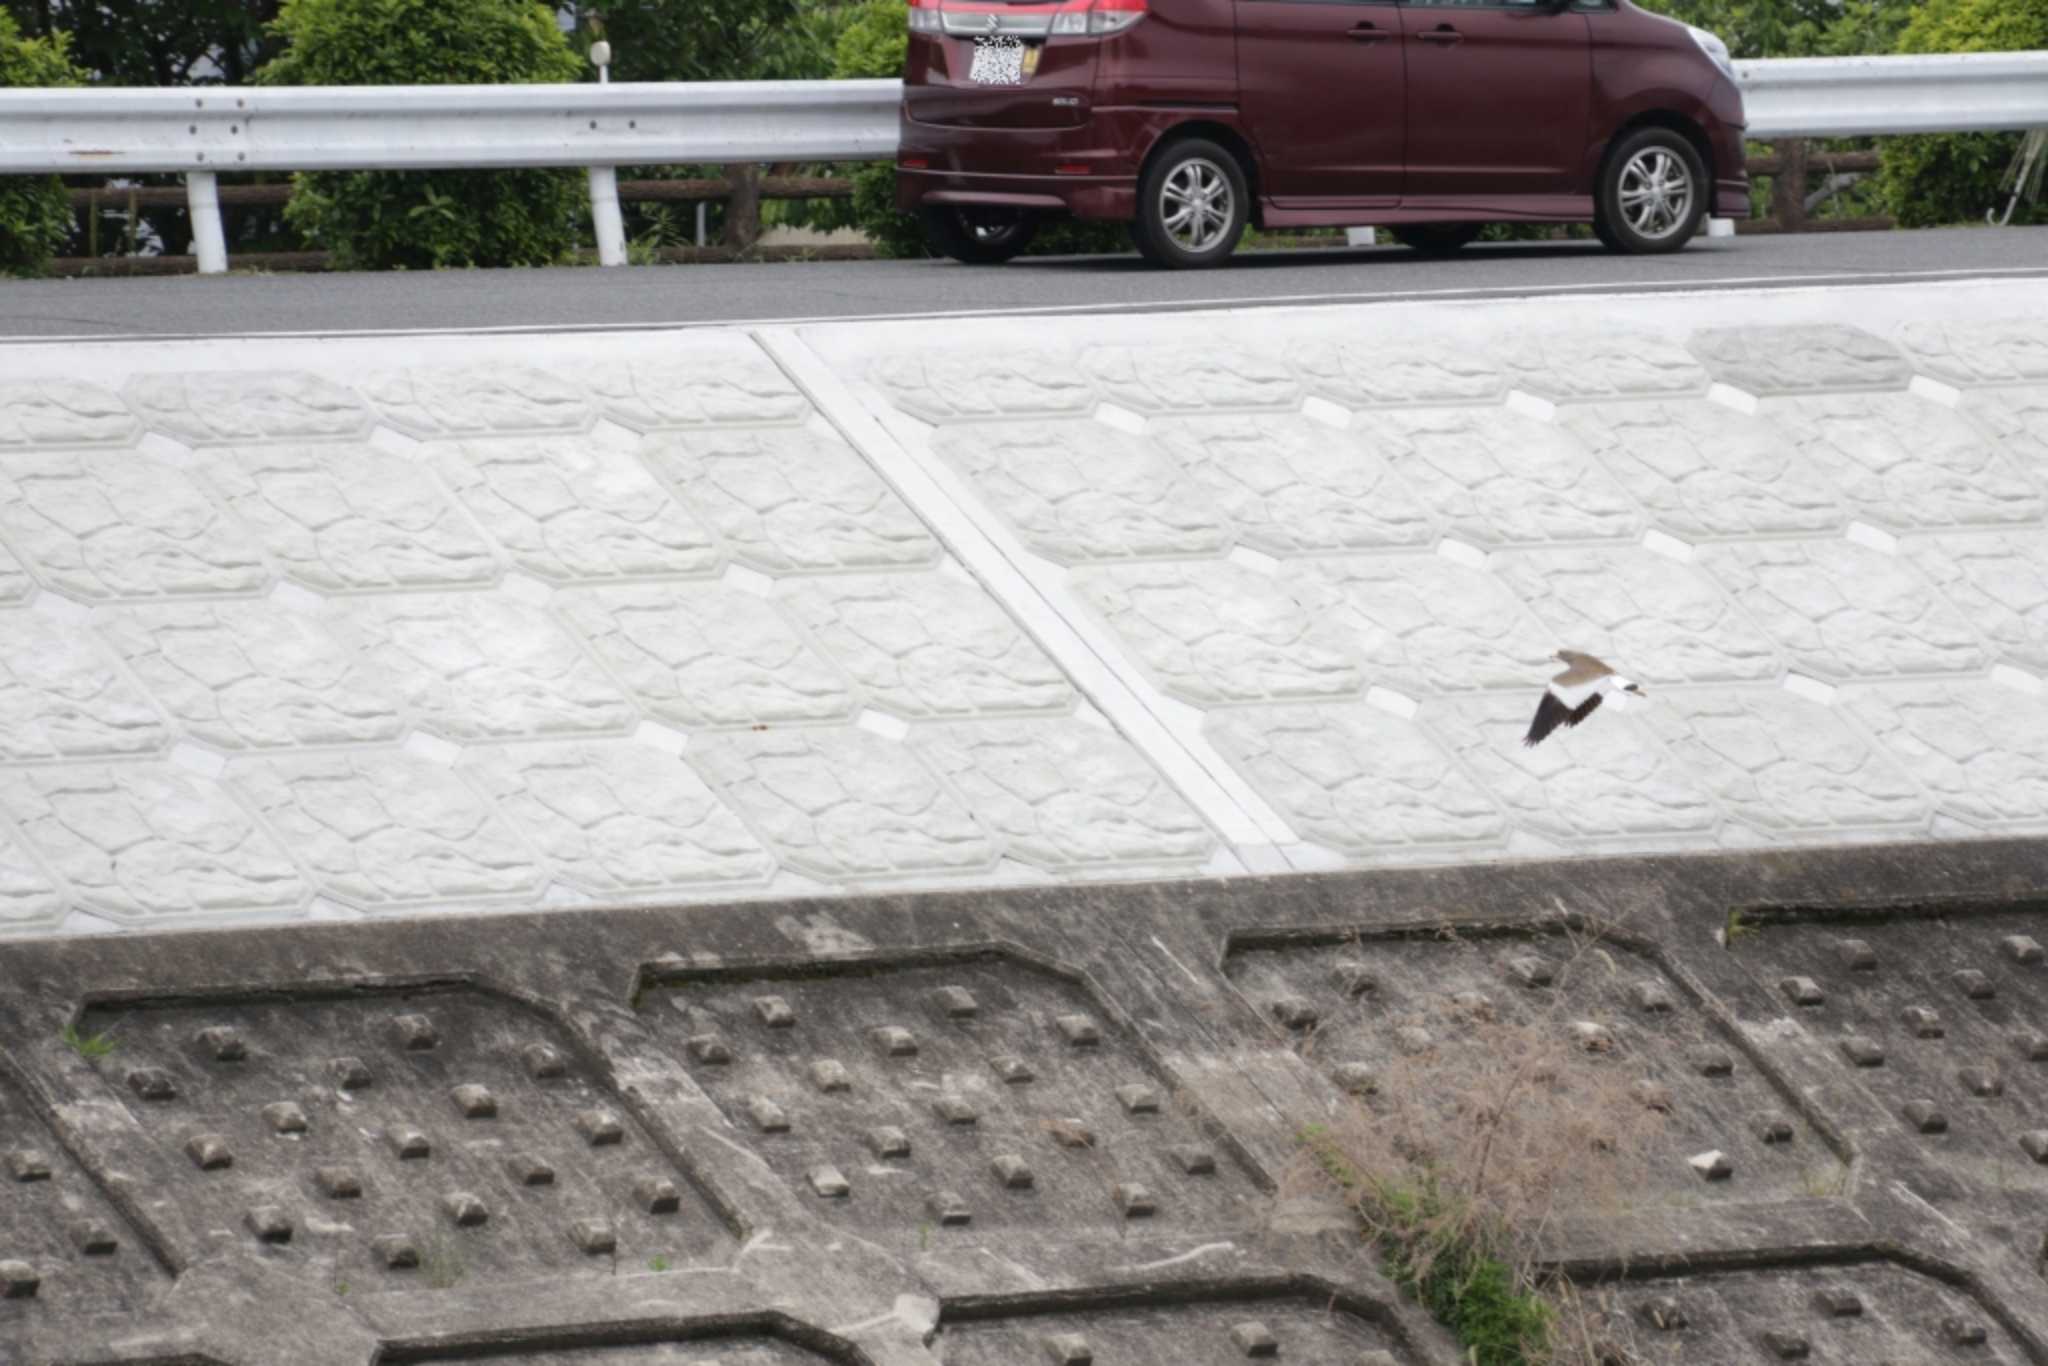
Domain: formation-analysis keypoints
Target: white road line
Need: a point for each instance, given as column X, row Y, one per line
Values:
column 1617, row 288
column 1044, row 606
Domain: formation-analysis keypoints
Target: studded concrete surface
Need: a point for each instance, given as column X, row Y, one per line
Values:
column 304, row 629
column 1027, row 1125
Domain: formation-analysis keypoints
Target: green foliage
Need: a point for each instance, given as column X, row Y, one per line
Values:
column 35, row 211
column 701, row 40
column 1929, row 181
column 87, row 1046
column 1794, row 28
column 383, row 219
column 157, row 42
column 1430, row 1250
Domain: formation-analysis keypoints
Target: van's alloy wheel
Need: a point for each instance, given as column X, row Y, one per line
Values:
column 1192, row 205
column 1653, row 192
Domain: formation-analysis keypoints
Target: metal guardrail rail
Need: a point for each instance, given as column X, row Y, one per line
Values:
column 203, row 132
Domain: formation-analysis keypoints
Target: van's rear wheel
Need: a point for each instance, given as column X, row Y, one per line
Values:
column 1193, row 203
column 1653, row 193
column 1436, row 239
column 977, row 235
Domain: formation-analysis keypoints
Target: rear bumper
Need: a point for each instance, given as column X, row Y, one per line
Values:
column 1724, row 120
column 1089, row 170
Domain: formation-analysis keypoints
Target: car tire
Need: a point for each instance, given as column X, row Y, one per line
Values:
column 1653, row 193
column 1437, row 239
column 1193, row 204
column 977, row 236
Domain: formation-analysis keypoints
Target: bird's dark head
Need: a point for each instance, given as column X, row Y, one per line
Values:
column 1634, row 689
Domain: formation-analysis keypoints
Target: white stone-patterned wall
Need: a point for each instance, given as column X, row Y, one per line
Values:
column 363, row 627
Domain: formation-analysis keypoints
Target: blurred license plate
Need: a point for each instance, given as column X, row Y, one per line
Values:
column 1002, row 61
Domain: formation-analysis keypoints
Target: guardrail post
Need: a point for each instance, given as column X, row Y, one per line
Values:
column 743, row 207
column 209, row 243
column 604, row 216
column 1788, row 187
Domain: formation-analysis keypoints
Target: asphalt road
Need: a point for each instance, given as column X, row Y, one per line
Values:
column 667, row 296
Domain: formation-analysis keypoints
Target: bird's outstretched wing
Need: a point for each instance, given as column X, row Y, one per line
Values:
column 1581, row 669
column 1551, row 713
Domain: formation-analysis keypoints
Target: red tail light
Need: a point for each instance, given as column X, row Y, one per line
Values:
column 1107, row 17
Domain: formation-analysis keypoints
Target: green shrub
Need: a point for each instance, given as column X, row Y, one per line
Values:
column 1928, row 181
column 874, row 44
column 379, row 220
column 35, row 211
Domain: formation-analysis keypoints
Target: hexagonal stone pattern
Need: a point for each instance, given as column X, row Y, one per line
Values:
column 104, row 524
column 2007, row 351
column 148, row 843
column 1425, row 624
column 1979, row 748
column 1905, row 463
column 55, row 1218
column 1800, row 358
column 927, row 645
column 254, row 675
column 478, row 400
column 1212, row 632
column 474, row 666
column 616, row 817
column 844, row 803
column 1840, row 610
column 696, row 382
column 988, row 1088
column 1210, row 374
column 1080, row 491
column 49, row 414
column 1354, row 778
column 1211, row 1330
column 2019, row 419
column 15, row 584
column 1497, row 477
column 569, row 509
column 1786, row 765
column 224, row 407
column 383, row 829
column 456, row 1127
column 1871, row 1312
column 707, row 656
column 28, row 898
column 349, row 517
column 791, row 501
column 63, row 697
column 1067, row 796
column 1589, row 366
column 2000, row 585
column 1670, row 621
column 1374, row 997
column 1955, row 1005
column 1596, row 787
column 1292, row 486
column 1416, row 370
column 1704, row 471
column 966, row 386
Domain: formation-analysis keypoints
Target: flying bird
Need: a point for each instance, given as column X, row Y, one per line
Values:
column 1576, row 694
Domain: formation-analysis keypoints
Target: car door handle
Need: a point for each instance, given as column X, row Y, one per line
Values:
column 1442, row 33
column 1366, row 33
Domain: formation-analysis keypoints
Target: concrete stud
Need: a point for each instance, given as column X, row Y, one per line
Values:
column 1068, row 1349
column 1355, row 978
column 349, row 1074
column 152, row 1083
column 708, row 1049
column 1135, row 1200
column 1856, row 955
column 222, row 1043
column 397, row 1251
column 600, row 1128
column 1079, row 1031
column 1803, row 991
column 1531, row 971
column 828, row 1181
column 888, row 1141
column 414, row 1033
column 896, row 1041
column 1138, row 1099
column 410, row 1144
column 1983, row 1082
column 543, row 1062
column 774, row 1012
column 1653, row 998
column 656, row 1194
column 1193, row 1159
column 209, row 1152
column 2022, row 949
column 269, row 1223
column 474, row 1101
column 26, row 1164
column 594, row 1237
column 338, row 1183
column 1355, row 1078
column 19, row 1281
column 1712, row 1165
column 464, row 1209
column 1863, row 1052
column 955, row 1110
column 768, row 1117
column 1925, row 1023
column 956, row 1003
column 527, row 1170
column 284, row 1117
column 1013, row 1070
column 948, row 1210
column 1254, row 1339
column 829, row 1076
column 1974, row 985
column 1925, row 1116
column 1012, row 1172
column 92, row 1238
column 1295, row 1012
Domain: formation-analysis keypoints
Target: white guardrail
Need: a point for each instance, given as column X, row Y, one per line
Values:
column 202, row 132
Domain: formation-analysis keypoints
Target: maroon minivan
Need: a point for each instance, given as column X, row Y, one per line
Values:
column 1189, row 119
